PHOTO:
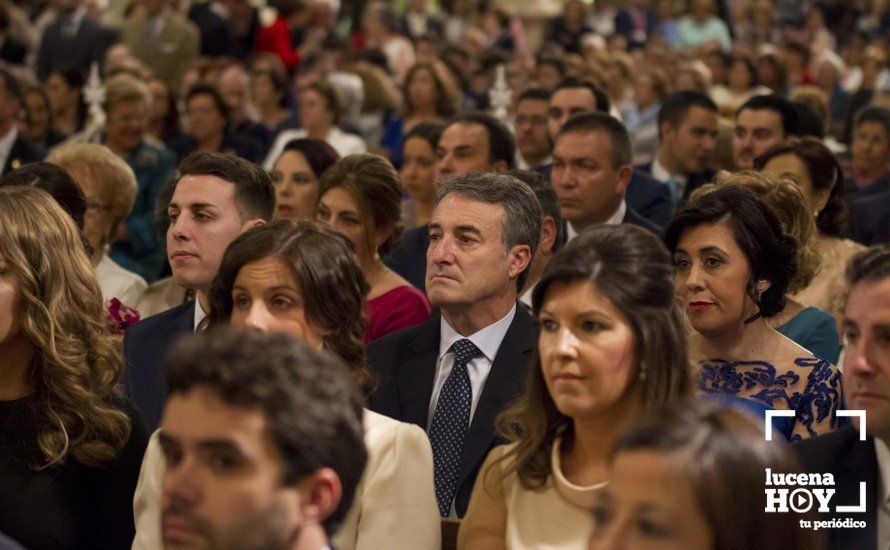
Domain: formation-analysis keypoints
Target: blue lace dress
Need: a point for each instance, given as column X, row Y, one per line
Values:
column 812, row 388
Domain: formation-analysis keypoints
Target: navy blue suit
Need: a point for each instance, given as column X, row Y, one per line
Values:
column 23, row 151
column 850, row 461
column 693, row 181
column 146, row 345
column 870, row 219
column 645, row 195
column 409, row 259
column 404, row 363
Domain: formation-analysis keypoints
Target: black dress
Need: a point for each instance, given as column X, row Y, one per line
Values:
column 70, row 506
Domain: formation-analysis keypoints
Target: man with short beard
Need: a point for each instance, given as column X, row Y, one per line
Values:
column 262, row 450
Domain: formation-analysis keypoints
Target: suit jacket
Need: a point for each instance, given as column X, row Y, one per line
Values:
column 405, row 365
column 146, row 345
column 693, row 181
column 170, row 52
column 13, row 51
column 409, row 259
column 625, row 25
column 24, row 151
column 644, row 194
column 59, row 51
column 632, row 217
column 870, row 219
column 217, row 38
column 850, row 461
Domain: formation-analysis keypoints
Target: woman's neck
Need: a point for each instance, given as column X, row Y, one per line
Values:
column 585, row 462
column 66, row 121
column 424, row 113
column 318, row 132
column 743, row 342
column 15, row 359
column 270, row 112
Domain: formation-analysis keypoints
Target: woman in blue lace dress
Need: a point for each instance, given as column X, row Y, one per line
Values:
column 734, row 263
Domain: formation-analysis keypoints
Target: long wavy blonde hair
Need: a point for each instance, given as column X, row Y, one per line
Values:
column 76, row 365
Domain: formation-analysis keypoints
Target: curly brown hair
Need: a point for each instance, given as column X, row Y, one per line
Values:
column 76, row 364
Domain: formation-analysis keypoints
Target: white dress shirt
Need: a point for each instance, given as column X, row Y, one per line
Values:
column 488, row 340
column 883, row 455
column 615, row 219
column 661, row 173
column 200, row 314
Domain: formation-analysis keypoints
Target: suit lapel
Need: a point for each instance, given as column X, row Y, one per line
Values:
column 13, row 162
column 416, row 376
column 503, row 384
column 858, row 464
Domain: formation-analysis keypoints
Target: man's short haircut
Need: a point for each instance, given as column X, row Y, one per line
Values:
column 310, row 401
column 501, row 143
column 622, row 150
column 254, row 190
column 677, row 105
column 546, row 195
column 539, row 94
column 552, row 60
column 522, row 211
column 603, row 105
column 777, row 103
column 869, row 266
column 878, row 115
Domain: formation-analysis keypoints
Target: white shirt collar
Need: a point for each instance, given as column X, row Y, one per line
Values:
column 883, row 456
column 522, row 164
column 200, row 314
column 614, row 219
column 488, row 340
column 661, row 173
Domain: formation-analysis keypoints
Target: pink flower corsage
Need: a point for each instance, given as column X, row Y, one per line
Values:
column 119, row 317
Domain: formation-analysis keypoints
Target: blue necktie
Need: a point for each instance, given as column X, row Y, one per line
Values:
column 450, row 424
column 674, row 187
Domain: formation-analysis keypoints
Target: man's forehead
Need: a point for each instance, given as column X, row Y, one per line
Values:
column 201, row 414
column 580, row 144
column 464, row 132
column 870, row 299
column 532, row 104
column 700, row 115
column 458, row 210
column 759, row 118
column 581, row 97
column 204, row 189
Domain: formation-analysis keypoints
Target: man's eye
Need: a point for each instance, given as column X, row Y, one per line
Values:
column 223, row 462
column 172, row 456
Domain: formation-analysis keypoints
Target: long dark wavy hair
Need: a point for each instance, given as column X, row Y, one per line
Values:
column 631, row 266
column 327, row 273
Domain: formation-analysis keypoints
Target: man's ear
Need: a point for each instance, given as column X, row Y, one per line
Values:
column 548, row 235
column 250, row 224
column 320, row 495
column 520, row 257
column 624, row 174
column 500, row 166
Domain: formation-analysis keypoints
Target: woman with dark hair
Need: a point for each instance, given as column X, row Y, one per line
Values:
column 361, row 197
column 69, row 112
column 163, row 122
column 611, row 347
column 734, row 264
column 813, row 328
column 209, row 119
column 814, row 169
column 70, row 441
column 419, row 171
column 684, row 476
column 296, row 174
column 302, row 279
column 431, row 95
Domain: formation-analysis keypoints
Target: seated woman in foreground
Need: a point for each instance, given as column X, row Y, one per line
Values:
column 611, row 347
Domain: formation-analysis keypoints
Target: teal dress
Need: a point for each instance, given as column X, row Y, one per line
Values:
column 816, row 331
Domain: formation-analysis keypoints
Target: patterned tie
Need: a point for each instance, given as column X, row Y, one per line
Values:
column 450, row 423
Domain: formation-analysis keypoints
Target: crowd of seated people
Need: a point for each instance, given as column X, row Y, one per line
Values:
column 311, row 274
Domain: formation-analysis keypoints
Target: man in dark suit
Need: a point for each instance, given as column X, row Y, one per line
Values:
column 867, row 379
column 687, row 135
column 471, row 142
column 15, row 149
column 636, row 23
column 72, row 41
column 761, row 123
column 217, row 198
column 213, row 21
column 591, row 172
column 870, row 219
column 454, row 374
column 645, row 196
